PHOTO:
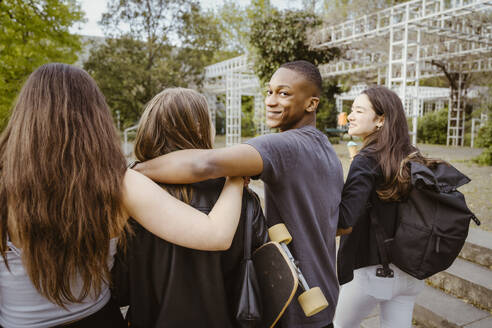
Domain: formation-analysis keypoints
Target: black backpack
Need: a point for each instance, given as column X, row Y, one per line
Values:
column 432, row 223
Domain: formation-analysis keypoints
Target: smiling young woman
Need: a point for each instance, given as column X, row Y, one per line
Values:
column 363, row 120
column 375, row 183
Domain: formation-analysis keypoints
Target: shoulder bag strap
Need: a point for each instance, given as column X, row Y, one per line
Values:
column 248, row 225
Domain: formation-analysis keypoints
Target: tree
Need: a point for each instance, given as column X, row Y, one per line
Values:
column 33, row 33
column 247, row 117
column 432, row 127
column 167, row 43
column 327, row 111
column 453, row 69
column 120, row 70
column 280, row 37
column 234, row 28
column 200, row 41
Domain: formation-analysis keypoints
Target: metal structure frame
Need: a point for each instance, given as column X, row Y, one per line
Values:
column 127, row 147
column 234, row 78
column 409, row 31
column 429, row 98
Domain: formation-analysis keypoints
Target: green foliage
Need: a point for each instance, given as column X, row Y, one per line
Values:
column 169, row 44
column 248, row 128
column 432, row 127
column 199, row 39
column 280, row 37
column 484, row 136
column 220, row 120
column 33, row 33
column 234, row 28
column 334, row 140
column 410, row 124
column 326, row 117
column 235, row 25
column 484, row 140
column 118, row 66
column 485, row 158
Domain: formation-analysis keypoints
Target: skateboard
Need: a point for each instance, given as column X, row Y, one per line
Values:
column 277, row 280
column 279, row 276
column 312, row 299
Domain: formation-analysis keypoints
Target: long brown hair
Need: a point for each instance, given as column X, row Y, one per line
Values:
column 175, row 119
column 391, row 144
column 61, row 173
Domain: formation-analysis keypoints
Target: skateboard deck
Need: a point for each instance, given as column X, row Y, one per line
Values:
column 277, row 279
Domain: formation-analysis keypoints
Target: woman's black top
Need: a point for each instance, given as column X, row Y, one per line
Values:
column 359, row 248
column 172, row 286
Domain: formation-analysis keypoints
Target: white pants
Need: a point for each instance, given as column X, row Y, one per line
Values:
column 395, row 296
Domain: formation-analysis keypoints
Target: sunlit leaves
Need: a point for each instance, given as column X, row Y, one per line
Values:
column 32, row 33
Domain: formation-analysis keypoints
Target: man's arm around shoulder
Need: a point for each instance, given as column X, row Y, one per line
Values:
column 194, row 165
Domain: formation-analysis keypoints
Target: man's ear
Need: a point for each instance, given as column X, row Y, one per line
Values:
column 313, row 104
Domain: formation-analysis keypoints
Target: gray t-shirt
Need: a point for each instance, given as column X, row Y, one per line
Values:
column 303, row 185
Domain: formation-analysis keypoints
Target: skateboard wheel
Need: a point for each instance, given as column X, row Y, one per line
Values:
column 279, row 233
column 312, row 301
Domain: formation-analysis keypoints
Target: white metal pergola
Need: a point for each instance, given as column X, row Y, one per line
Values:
column 431, row 98
column 409, row 32
column 234, row 78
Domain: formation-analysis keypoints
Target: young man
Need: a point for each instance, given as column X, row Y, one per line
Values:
column 302, row 175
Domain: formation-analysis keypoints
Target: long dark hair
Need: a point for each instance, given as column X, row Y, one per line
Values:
column 175, row 119
column 391, row 144
column 61, row 173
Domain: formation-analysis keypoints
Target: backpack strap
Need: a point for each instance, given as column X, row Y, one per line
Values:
column 381, row 241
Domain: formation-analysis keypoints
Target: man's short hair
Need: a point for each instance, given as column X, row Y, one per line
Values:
column 306, row 69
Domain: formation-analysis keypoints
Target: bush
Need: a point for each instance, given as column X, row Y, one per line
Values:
column 484, row 140
column 485, row 158
column 326, row 116
column 346, row 137
column 334, row 140
column 220, row 121
column 248, row 128
column 432, row 127
column 484, row 137
column 410, row 124
column 467, row 140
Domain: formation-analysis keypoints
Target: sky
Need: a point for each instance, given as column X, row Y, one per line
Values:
column 94, row 8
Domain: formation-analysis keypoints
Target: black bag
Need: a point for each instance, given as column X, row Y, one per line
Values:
column 249, row 310
column 432, row 223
